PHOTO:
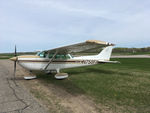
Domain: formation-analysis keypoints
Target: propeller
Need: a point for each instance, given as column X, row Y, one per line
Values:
column 15, row 59
column 15, row 63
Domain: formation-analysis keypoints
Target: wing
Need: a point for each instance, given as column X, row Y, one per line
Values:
column 80, row 47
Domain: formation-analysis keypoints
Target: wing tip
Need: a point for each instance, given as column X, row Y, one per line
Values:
column 100, row 42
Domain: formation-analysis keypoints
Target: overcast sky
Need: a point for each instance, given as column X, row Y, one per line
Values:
column 45, row 24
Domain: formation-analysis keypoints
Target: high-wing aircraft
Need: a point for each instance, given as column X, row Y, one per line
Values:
column 61, row 58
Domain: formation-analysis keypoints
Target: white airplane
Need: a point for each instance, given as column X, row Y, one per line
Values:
column 61, row 58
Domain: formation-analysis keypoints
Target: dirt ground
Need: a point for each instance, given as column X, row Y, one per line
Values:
column 14, row 97
column 54, row 97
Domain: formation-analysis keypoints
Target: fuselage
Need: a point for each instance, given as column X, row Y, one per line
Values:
column 38, row 63
column 46, row 61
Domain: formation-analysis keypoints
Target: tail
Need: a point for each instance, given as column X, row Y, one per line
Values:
column 105, row 54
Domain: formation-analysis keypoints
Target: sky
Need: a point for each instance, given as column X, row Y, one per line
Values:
column 45, row 24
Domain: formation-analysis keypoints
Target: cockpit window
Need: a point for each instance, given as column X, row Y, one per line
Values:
column 60, row 56
column 50, row 55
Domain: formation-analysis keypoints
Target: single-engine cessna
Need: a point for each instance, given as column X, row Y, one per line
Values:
column 61, row 58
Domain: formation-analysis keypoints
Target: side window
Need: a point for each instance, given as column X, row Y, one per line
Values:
column 45, row 54
column 50, row 55
column 67, row 56
column 63, row 57
column 59, row 56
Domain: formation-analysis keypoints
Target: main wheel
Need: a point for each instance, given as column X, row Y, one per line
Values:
column 61, row 76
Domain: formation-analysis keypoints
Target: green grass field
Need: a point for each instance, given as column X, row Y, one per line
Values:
column 121, row 87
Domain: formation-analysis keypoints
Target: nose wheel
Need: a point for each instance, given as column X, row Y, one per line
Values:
column 30, row 77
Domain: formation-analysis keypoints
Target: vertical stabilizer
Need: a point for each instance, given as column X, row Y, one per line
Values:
column 105, row 54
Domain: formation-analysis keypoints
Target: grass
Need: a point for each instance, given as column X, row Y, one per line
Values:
column 124, row 86
column 53, row 107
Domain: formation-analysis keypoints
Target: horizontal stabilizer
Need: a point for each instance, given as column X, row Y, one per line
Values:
column 113, row 62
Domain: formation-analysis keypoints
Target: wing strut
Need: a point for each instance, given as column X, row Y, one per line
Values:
column 50, row 60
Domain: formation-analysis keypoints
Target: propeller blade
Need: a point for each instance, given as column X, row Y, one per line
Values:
column 15, row 54
column 15, row 64
column 15, row 69
column 15, row 51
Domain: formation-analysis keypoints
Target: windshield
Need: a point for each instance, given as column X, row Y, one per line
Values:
column 42, row 54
